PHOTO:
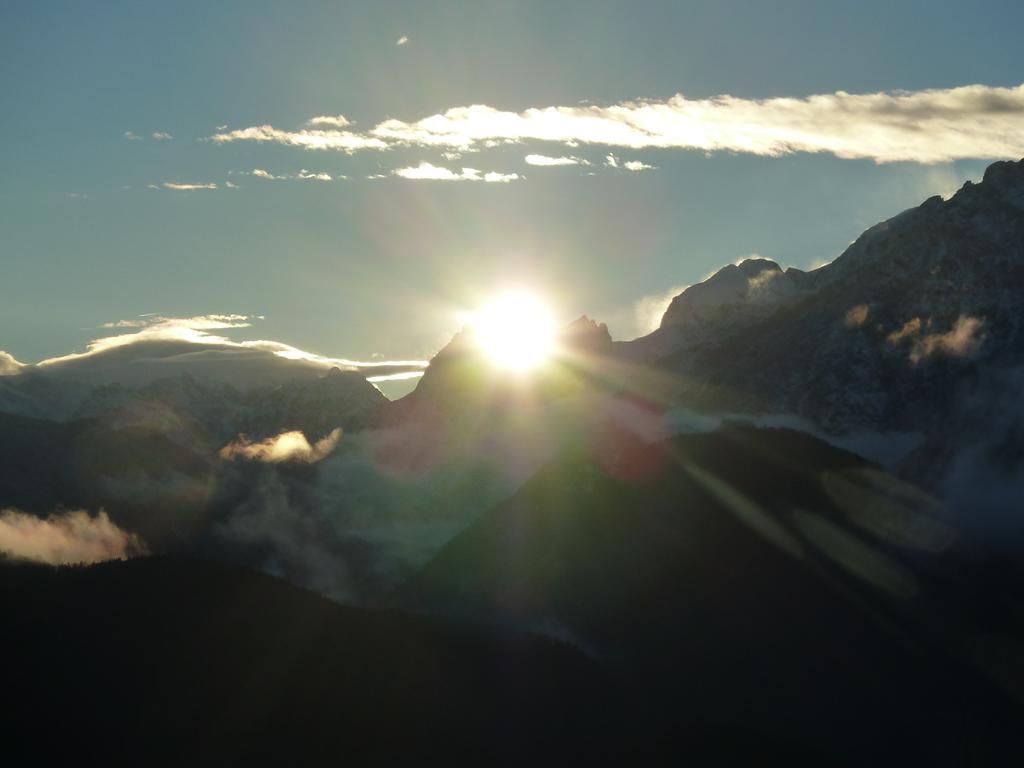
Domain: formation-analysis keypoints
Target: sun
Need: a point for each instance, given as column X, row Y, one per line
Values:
column 515, row 330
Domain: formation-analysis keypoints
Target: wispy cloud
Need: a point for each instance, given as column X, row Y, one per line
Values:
column 648, row 311
column 305, row 175
column 197, row 330
column 287, row 446
column 345, row 141
column 614, row 161
column 332, row 121
column 187, row 187
column 402, row 40
column 400, row 376
column 431, row 172
column 302, row 175
column 962, row 340
column 199, row 322
column 132, row 136
column 928, row 126
column 8, row 364
column 71, row 537
column 857, row 315
column 544, row 160
column 162, row 136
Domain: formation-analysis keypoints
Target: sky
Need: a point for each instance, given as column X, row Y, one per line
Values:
column 358, row 175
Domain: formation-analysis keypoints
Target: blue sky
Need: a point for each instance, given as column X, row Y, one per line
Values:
column 358, row 266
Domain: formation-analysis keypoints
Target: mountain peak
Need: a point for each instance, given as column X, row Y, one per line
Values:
column 753, row 280
column 1004, row 173
column 584, row 333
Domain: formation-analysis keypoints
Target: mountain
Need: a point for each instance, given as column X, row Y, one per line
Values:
column 172, row 661
column 460, row 379
column 218, row 410
column 467, row 410
column 138, row 362
column 756, row 577
column 152, row 481
column 915, row 329
column 732, row 298
column 169, row 661
column 917, row 304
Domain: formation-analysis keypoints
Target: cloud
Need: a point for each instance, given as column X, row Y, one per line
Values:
column 199, row 322
column 857, row 316
column 287, row 446
column 345, row 141
column 305, row 175
column 928, row 126
column 962, row 340
column 187, row 187
column 401, row 376
column 613, row 161
column 302, row 175
column 196, row 330
column 332, row 121
column 8, row 365
column 158, row 328
column 762, row 285
column 67, row 538
column 132, row 136
column 428, row 171
column 544, row 160
column 432, row 172
column 162, row 136
column 402, row 40
column 910, row 328
column 648, row 310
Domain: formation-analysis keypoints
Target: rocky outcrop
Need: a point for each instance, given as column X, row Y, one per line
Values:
column 887, row 336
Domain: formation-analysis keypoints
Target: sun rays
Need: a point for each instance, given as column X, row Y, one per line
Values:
column 515, row 330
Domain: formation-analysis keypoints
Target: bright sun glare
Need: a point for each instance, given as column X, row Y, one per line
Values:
column 515, row 330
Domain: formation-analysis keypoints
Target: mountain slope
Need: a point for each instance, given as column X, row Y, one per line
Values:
column 169, row 662
column 915, row 329
column 914, row 306
column 757, row 576
column 174, row 661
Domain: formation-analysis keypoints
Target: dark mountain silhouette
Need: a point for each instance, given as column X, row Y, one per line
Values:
column 149, row 481
column 315, row 403
column 170, row 662
column 756, row 577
